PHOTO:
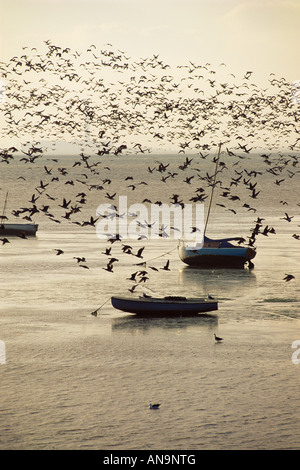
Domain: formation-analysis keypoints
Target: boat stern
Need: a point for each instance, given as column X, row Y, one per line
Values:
column 250, row 253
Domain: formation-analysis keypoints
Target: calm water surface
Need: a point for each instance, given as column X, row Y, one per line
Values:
column 75, row 381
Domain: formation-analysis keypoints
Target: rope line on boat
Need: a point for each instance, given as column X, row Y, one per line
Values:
column 143, row 263
column 95, row 312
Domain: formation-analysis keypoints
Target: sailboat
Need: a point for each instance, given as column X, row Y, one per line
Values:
column 12, row 229
column 216, row 253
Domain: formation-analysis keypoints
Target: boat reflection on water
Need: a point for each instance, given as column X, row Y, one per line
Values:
column 144, row 324
column 220, row 283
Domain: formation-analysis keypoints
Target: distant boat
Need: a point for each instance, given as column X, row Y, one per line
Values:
column 216, row 253
column 12, row 229
column 18, row 229
column 172, row 305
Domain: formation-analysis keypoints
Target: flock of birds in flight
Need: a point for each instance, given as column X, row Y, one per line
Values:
column 114, row 106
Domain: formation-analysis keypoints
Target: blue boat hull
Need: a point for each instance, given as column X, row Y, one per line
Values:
column 216, row 254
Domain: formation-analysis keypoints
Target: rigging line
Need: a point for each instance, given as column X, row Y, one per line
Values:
column 213, row 187
column 239, row 224
column 4, row 208
column 96, row 311
column 166, row 253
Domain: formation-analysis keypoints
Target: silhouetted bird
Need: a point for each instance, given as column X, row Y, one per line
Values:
column 154, row 406
column 288, row 277
column 217, row 338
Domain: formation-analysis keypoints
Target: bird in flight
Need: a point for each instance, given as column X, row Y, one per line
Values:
column 139, row 252
column 288, row 277
column 287, row 217
column 166, row 266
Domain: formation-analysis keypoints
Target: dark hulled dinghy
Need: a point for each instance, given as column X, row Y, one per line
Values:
column 18, row 230
column 172, row 305
column 12, row 229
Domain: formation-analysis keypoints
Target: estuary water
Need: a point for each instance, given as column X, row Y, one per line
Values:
column 73, row 380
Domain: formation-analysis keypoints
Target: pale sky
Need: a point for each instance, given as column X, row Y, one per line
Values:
column 258, row 35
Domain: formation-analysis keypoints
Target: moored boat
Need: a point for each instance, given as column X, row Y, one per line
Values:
column 171, row 305
column 18, row 229
column 216, row 254
column 13, row 229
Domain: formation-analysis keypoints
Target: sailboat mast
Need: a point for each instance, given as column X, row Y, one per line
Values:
column 213, row 187
column 4, row 208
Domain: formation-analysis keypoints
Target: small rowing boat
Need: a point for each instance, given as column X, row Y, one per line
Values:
column 171, row 305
